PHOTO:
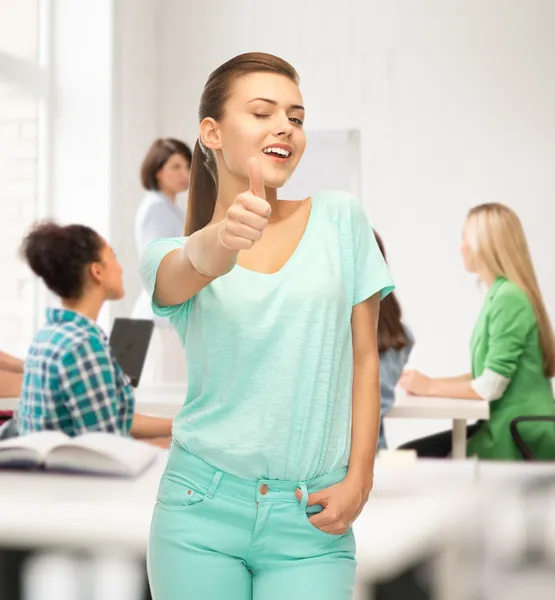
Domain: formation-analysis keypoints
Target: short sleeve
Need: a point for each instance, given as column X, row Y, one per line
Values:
column 510, row 321
column 149, row 263
column 371, row 272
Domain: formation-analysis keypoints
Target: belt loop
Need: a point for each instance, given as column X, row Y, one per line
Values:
column 304, row 499
column 214, row 485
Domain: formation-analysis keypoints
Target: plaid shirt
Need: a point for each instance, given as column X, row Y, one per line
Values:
column 72, row 381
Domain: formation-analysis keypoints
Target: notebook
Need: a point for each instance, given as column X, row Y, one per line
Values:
column 95, row 453
column 129, row 340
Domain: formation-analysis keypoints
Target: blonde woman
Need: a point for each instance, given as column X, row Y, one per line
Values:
column 512, row 346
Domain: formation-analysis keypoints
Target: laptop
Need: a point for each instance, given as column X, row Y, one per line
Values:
column 129, row 340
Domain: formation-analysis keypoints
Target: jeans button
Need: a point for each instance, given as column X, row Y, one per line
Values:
column 263, row 489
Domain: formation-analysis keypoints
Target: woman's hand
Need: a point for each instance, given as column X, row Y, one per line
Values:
column 416, row 383
column 342, row 503
column 248, row 216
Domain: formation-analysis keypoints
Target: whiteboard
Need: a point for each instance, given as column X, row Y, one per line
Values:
column 331, row 161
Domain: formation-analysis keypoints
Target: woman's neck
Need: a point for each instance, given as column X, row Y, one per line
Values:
column 487, row 278
column 88, row 305
column 169, row 195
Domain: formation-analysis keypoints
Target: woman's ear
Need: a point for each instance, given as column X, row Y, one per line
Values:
column 95, row 272
column 210, row 133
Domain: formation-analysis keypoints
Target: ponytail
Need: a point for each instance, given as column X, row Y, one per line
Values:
column 203, row 189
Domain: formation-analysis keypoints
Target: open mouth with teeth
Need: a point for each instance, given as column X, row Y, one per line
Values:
column 279, row 154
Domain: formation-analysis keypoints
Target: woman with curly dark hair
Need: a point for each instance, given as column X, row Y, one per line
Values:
column 72, row 382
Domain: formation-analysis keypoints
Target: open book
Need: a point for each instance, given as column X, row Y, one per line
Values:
column 94, row 453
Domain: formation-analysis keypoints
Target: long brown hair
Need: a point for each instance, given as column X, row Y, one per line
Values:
column 498, row 241
column 391, row 332
column 203, row 189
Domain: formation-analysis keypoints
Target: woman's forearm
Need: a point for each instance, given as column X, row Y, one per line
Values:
column 10, row 363
column 366, row 420
column 456, row 379
column 10, row 384
column 207, row 253
column 456, row 387
column 144, row 426
column 161, row 442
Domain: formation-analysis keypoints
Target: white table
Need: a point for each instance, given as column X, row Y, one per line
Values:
column 68, row 510
column 392, row 535
column 9, row 403
column 415, row 510
column 166, row 400
column 460, row 410
column 423, row 477
column 95, row 514
column 158, row 400
column 165, row 397
column 78, row 511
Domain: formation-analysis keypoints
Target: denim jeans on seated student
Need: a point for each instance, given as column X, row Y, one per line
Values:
column 382, row 444
column 392, row 363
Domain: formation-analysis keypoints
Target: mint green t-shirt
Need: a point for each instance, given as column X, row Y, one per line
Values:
column 270, row 356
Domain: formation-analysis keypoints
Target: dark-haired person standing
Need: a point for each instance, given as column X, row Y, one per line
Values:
column 72, row 382
column 395, row 342
column 164, row 174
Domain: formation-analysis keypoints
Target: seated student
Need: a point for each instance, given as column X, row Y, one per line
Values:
column 11, row 376
column 512, row 347
column 72, row 381
column 395, row 343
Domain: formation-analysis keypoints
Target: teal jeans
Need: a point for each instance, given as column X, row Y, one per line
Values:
column 215, row 536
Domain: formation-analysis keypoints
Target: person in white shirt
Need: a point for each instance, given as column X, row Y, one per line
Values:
column 165, row 173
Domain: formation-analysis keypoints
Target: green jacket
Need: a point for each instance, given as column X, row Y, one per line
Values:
column 505, row 340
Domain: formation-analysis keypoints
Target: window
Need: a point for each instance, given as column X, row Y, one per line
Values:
column 21, row 105
column 19, row 27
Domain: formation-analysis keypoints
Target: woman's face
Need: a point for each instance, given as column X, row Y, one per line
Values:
column 467, row 253
column 173, row 177
column 263, row 118
column 108, row 273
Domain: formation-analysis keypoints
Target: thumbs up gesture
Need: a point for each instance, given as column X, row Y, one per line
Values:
column 248, row 216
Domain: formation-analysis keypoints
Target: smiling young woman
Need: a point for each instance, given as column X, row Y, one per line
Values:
column 276, row 303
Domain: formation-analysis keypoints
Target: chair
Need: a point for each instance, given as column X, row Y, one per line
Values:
column 524, row 447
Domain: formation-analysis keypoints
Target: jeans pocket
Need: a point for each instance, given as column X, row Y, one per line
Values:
column 315, row 530
column 177, row 491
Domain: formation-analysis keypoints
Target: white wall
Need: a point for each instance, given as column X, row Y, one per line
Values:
column 82, row 121
column 19, row 106
column 456, row 106
column 80, row 144
column 136, row 125
column 104, row 71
